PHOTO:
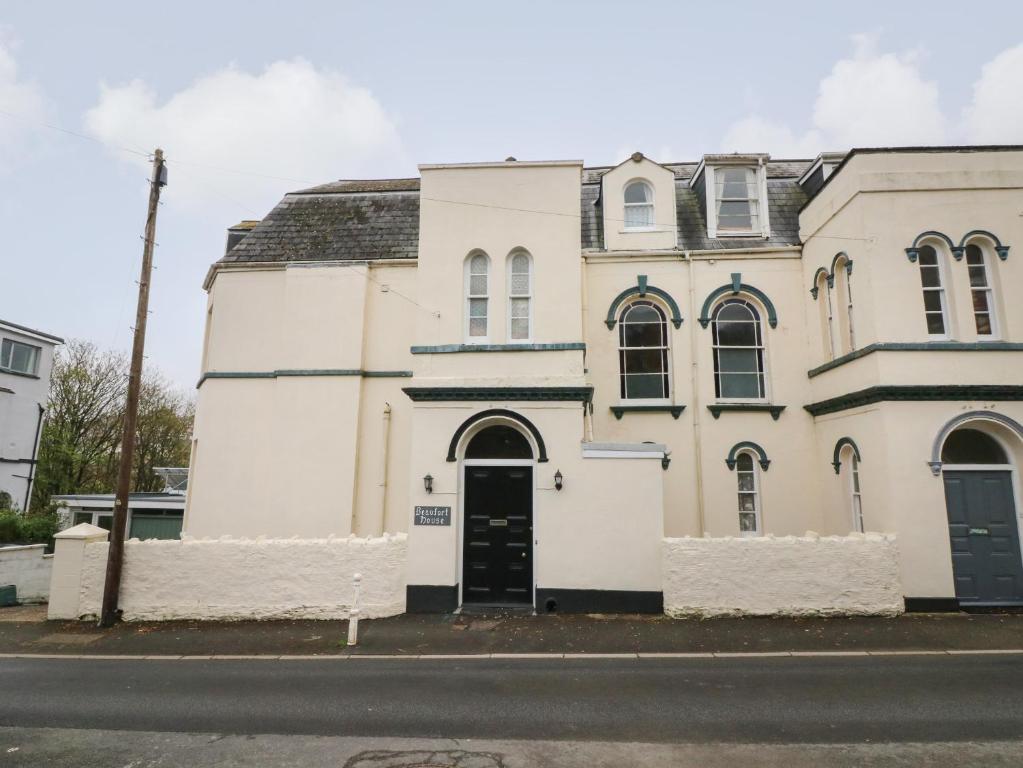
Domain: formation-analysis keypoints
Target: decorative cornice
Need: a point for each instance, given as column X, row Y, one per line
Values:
column 284, row 372
column 491, row 394
column 836, row 460
column 747, row 445
column 718, row 408
column 917, row 346
column 621, row 410
column 925, row 392
column 642, row 289
column 737, row 287
column 447, row 349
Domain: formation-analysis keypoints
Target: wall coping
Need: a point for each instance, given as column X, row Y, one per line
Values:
column 17, row 547
column 86, row 531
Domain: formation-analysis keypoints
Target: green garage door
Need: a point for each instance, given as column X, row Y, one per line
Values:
column 156, row 525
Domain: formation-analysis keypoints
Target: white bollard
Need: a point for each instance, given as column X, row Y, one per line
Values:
column 353, row 613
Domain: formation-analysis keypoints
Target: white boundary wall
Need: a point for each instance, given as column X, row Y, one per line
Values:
column 28, row 569
column 229, row 579
column 792, row 575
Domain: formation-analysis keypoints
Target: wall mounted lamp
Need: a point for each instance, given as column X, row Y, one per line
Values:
column 428, row 483
column 558, row 480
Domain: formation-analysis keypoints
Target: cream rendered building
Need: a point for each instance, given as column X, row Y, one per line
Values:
column 539, row 370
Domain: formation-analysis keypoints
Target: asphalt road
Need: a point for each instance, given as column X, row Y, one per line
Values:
column 739, row 700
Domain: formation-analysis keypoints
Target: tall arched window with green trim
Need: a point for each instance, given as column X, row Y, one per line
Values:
column 749, row 494
column 643, row 352
column 738, row 351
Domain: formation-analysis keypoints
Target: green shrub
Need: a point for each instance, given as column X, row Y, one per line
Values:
column 35, row 528
column 9, row 526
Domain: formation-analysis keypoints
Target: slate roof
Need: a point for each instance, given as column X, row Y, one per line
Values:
column 356, row 220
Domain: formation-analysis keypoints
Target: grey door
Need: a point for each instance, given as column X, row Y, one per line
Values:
column 986, row 561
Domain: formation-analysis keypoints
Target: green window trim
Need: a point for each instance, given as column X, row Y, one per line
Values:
column 734, row 288
column 914, row 250
column 621, row 410
column 1001, row 250
column 491, row 394
column 836, row 460
column 641, row 289
column 747, row 445
column 718, row 408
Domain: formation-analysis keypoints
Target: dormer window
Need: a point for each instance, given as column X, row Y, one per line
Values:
column 639, row 205
column 732, row 189
column 738, row 201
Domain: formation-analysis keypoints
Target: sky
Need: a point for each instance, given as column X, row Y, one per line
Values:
column 252, row 99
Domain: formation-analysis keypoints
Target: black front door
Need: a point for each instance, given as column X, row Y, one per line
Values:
column 497, row 557
column 985, row 541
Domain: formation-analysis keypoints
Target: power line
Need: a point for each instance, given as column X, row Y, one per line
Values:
column 37, row 123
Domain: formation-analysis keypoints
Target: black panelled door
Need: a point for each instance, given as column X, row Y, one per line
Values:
column 497, row 558
column 986, row 561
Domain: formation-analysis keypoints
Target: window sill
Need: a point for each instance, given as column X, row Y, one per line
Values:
column 718, row 408
column 621, row 410
column 19, row 373
column 629, row 230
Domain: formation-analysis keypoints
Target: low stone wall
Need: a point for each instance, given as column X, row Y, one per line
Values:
column 229, row 579
column 28, row 569
column 793, row 576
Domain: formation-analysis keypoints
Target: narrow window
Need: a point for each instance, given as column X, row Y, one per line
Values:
column 18, row 357
column 738, row 352
column 843, row 282
column 981, row 291
column 854, row 493
column 639, row 205
column 520, row 294
column 738, row 204
column 827, row 320
column 478, row 292
column 749, row 495
column 934, row 291
column 643, row 352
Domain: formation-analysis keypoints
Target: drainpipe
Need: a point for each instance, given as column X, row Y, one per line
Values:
column 695, row 384
column 584, row 294
column 384, row 452
column 35, row 455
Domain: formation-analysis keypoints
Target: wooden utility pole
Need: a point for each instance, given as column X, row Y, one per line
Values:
column 115, row 554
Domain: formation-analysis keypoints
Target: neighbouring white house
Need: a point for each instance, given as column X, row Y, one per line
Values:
column 26, row 357
column 735, row 385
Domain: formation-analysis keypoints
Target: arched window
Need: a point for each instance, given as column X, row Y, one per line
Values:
column 843, row 296
column 477, row 297
column 498, row 442
column 981, row 291
column 749, row 494
column 639, row 205
column 738, row 352
column 827, row 318
column 520, row 295
column 932, row 279
column 849, row 459
column 971, row 446
column 643, row 352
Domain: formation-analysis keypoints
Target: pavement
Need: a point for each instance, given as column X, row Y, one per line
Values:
column 904, row 710
column 24, row 630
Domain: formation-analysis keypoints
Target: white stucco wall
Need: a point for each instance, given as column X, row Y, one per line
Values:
column 229, row 579
column 28, row 569
column 792, row 575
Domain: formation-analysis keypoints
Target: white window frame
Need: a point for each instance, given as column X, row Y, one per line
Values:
column 528, row 296
column 710, row 194
column 855, row 491
column 941, row 290
column 7, row 355
column 824, row 296
column 757, row 501
column 652, row 205
column 988, row 289
column 666, row 348
column 766, row 397
column 469, row 297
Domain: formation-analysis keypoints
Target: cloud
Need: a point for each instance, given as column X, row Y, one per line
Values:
column 995, row 114
column 292, row 121
column 868, row 99
column 24, row 104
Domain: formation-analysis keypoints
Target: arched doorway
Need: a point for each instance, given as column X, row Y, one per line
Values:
column 978, row 474
column 497, row 503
